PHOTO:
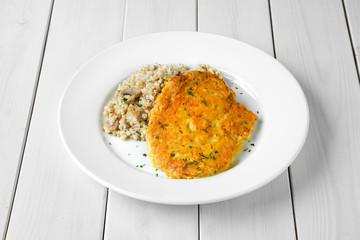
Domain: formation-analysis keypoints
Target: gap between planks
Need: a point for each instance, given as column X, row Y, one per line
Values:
column 351, row 39
column 28, row 121
column 288, row 169
column 107, row 189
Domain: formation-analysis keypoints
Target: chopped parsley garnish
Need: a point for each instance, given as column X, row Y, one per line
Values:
column 236, row 87
column 157, row 137
column 208, row 121
column 141, row 166
column 204, row 130
column 257, row 111
column 190, row 146
column 157, row 174
column 162, row 127
column 204, row 101
column 198, row 168
column 139, row 105
column 109, row 143
column 249, row 150
column 126, row 94
column 144, row 154
column 190, row 93
column 124, row 99
column 138, row 132
column 230, row 96
column 173, row 154
column 206, row 157
column 252, row 144
column 216, row 151
column 245, row 149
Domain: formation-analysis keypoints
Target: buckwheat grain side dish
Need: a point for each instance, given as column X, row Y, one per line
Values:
column 127, row 113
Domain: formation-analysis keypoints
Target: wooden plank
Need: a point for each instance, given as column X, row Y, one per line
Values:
column 144, row 17
column 352, row 8
column 312, row 40
column 54, row 199
column 133, row 219
column 267, row 212
column 129, row 218
column 22, row 32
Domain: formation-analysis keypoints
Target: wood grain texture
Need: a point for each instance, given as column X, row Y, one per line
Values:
column 129, row 218
column 312, row 41
column 267, row 212
column 23, row 28
column 144, row 17
column 133, row 219
column 54, row 199
column 352, row 8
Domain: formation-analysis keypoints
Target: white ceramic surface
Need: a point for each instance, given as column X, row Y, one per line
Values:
column 266, row 87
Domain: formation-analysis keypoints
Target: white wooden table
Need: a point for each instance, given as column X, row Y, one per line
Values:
column 44, row 195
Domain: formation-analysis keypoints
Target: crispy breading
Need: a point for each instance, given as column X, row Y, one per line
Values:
column 196, row 127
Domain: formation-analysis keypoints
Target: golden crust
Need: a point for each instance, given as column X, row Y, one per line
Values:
column 196, row 127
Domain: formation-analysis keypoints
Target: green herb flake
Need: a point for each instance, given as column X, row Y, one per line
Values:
column 206, row 157
column 162, row 127
column 252, row 144
column 144, row 154
column 230, row 97
column 249, row 150
column 245, row 149
column 126, row 94
column 157, row 137
column 236, row 87
column 157, row 174
column 138, row 132
column 109, row 143
column 257, row 111
column 124, row 99
column 204, row 101
column 204, row 130
column 173, row 154
column 198, row 168
column 190, row 93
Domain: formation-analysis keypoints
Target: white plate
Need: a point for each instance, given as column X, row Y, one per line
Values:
column 266, row 85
